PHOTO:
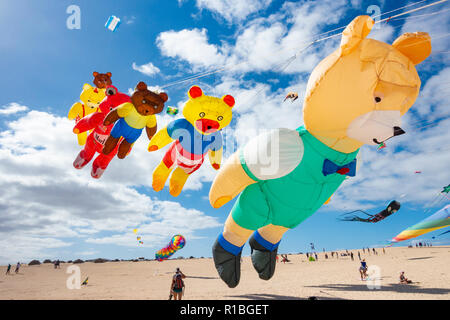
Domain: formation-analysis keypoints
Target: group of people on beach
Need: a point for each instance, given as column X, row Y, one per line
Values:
column 8, row 269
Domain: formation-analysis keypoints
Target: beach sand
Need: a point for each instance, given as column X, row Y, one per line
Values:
column 299, row 279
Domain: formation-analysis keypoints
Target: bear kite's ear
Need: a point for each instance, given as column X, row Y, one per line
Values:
column 109, row 74
column 141, row 86
column 111, row 90
column 95, row 73
column 355, row 32
column 416, row 46
column 87, row 86
column 195, row 92
column 229, row 100
column 163, row 96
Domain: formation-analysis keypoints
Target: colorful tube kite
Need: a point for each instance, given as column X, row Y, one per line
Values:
column 440, row 219
column 177, row 243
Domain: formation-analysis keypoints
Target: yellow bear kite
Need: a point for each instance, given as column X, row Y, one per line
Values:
column 195, row 135
column 355, row 96
column 90, row 100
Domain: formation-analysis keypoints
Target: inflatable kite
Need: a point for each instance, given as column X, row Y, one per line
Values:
column 130, row 118
column 173, row 111
column 392, row 208
column 175, row 244
column 196, row 135
column 96, row 139
column 292, row 96
column 355, row 96
column 439, row 220
column 90, row 101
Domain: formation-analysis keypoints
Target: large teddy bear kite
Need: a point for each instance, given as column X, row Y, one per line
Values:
column 355, row 96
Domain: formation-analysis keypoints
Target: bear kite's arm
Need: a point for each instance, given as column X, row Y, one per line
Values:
column 89, row 122
column 75, row 110
column 120, row 112
column 269, row 156
column 159, row 140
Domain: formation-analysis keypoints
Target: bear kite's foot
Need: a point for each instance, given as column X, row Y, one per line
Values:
column 80, row 162
column 177, row 181
column 228, row 264
column 160, row 175
column 264, row 255
column 96, row 171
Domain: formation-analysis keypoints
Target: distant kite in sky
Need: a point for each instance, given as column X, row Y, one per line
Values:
column 112, row 23
column 172, row 111
column 291, row 95
column 392, row 208
column 440, row 219
column 446, row 189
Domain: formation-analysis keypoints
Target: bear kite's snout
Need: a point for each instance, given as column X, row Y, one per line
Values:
column 207, row 125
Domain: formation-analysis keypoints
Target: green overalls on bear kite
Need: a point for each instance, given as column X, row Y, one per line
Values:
column 288, row 200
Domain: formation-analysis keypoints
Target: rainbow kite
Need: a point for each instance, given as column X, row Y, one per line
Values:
column 175, row 244
column 440, row 219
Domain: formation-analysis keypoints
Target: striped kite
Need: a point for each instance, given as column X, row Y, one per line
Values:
column 440, row 219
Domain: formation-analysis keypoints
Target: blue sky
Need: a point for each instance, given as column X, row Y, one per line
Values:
column 50, row 210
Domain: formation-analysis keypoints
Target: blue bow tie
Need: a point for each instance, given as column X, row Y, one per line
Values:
column 330, row 167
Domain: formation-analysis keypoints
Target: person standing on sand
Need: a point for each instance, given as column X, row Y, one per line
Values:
column 8, row 269
column 359, row 256
column 351, row 255
column 363, row 269
column 177, row 286
column 17, row 267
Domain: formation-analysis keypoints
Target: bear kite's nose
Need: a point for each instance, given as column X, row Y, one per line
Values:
column 398, row 131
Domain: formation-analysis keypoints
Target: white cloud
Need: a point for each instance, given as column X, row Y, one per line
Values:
column 190, row 45
column 48, row 201
column 148, row 69
column 233, row 10
column 261, row 44
column 12, row 108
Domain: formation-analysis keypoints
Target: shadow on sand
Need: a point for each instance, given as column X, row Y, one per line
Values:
column 197, row 277
column 400, row 288
column 264, row 296
column 421, row 258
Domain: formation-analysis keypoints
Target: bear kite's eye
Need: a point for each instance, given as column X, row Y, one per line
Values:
column 220, row 118
column 377, row 99
column 201, row 114
column 144, row 101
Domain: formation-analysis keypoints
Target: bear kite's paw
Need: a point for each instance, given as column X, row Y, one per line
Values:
column 152, row 148
column 216, row 166
column 221, row 201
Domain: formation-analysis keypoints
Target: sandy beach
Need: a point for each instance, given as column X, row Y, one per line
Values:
column 330, row 278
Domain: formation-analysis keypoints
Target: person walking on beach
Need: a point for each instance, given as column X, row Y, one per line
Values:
column 177, row 286
column 359, row 256
column 17, row 267
column 363, row 269
column 351, row 255
column 8, row 269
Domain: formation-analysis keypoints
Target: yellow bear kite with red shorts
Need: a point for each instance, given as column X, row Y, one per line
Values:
column 196, row 135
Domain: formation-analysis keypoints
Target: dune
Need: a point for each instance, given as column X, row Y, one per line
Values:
column 330, row 278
